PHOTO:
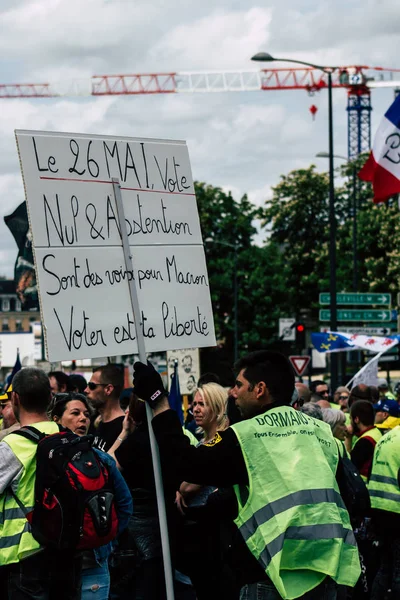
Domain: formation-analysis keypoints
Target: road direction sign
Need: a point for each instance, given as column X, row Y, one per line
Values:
column 383, row 299
column 357, row 315
column 299, row 364
column 287, row 331
column 383, row 331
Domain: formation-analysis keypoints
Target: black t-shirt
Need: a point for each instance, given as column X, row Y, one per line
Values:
column 106, row 433
column 134, row 456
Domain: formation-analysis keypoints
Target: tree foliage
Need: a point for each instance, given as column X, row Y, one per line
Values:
column 284, row 277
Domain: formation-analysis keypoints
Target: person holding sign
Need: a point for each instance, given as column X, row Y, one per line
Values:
column 282, row 465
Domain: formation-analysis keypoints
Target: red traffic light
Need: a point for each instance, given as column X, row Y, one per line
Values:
column 300, row 327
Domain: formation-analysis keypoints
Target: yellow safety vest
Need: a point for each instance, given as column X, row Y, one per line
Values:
column 376, row 435
column 383, row 485
column 16, row 540
column 292, row 516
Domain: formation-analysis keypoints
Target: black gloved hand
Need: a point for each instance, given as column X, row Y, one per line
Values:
column 147, row 383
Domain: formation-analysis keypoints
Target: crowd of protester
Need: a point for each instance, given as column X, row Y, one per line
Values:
column 273, row 489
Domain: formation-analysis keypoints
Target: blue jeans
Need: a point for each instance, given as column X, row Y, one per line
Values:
column 265, row 590
column 96, row 583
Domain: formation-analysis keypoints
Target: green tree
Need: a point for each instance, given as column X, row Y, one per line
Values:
column 227, row 228
column 378, row 237
column 298, row 219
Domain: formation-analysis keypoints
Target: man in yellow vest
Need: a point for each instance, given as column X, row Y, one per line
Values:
column 384, row 491
column 292, row 528
column 362, row 419
column 29, row 570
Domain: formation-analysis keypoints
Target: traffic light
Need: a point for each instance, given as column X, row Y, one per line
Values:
column 300, row 335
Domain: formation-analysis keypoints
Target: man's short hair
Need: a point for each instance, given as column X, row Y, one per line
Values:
column 361, row 392
column 314, row 384
column 61, row 378
column 113, row 374
column 77, row 383
column 273, row 369
column 208, row 378
column 364, row 411
column 33, row 388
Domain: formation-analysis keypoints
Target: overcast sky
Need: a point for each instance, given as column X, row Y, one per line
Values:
column 241, row 141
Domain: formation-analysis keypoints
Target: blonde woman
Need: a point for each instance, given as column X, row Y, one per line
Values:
column 209, row 410
column 209, row 413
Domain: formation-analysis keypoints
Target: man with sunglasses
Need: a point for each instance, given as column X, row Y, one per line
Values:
column 10, row 422
column 320, row 388
column 103, row 391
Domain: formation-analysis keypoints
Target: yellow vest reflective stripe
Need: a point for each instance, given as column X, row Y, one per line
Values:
column 293, row 518
column 383, row 485
column 16, row 540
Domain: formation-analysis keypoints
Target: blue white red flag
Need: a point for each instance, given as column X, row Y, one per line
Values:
column 333, row 341
column 383, row 165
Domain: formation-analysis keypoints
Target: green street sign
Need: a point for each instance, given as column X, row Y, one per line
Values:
column 377, row 299
column 357, row 315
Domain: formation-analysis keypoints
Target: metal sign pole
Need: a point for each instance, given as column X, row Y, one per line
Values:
column 169, row 581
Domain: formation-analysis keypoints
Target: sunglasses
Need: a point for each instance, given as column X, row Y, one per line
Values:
column 4, row 404
column 92, row 386
column 343, row 397
column 298, row 402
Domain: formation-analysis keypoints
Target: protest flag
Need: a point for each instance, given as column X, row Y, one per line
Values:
column 334, row 341
column 382, row 167
column 17, row 367
column 175, row 398
column 24, row 269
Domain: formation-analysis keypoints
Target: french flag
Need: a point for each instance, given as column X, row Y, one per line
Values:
column 383, row 165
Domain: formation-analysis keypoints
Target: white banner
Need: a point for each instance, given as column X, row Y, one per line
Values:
column 368, row 374
column 83, row 281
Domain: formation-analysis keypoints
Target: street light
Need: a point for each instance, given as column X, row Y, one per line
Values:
column 235, row 293
column 355, row 248
column 265, row 57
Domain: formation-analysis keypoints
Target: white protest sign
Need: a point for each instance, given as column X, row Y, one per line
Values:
column 83, row 278
column 188, row 368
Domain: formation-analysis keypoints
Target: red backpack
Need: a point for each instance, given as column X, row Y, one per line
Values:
column 74, row 499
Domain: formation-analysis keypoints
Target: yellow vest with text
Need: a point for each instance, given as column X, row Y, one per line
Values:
column 16, row 540
column 292, row 516
column 383, row 484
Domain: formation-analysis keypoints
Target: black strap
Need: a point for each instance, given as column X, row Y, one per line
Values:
column 30, row 433
column 34, row 435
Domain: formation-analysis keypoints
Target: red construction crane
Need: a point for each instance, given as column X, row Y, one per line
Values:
column 357, row 80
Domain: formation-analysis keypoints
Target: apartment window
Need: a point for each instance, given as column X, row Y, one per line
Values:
column 5, row 305
column 5, row 326
column 18, row 325
column 18, row 305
